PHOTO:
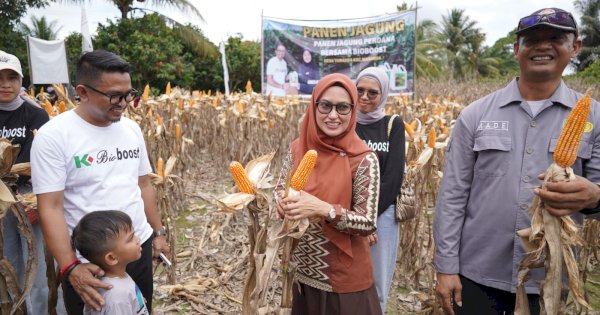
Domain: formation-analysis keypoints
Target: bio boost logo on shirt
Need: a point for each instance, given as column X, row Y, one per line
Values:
column 104, row 156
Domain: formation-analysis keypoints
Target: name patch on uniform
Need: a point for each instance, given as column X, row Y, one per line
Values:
column 493, row 125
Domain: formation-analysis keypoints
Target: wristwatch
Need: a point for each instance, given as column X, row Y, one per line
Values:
column 161, row 232
column 332, row 214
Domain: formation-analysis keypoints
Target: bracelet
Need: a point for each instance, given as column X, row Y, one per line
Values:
column 66, row 270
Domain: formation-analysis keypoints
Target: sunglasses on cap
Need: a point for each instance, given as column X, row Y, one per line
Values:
column 557, row 19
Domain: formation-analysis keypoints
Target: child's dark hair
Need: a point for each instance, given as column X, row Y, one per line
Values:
column 96, row 232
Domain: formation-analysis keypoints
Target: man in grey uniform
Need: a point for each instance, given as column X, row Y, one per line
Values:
column 499, row 147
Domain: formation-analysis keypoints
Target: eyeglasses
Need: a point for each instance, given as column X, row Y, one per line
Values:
column 556, row 18
column 371, row 94
column 325, row 107
column 116, row 99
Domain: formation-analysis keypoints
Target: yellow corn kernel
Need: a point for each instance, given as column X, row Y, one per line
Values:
column 240, row 177
column 214, row 103
column 445, row 130
column 248, row 87
column 177, row 131
column 209, row 93
column 146, row 93
column 158, row 120
column 409, row 130
column 168, row 89
column 305, row 167
column 413, row 124
column 150, row 113
column 62, row 107
column 159, row 168
column 565, row 153
column 180, row 104
column 431, row 138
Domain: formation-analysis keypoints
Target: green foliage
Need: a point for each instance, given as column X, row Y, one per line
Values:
column 589, row 31
column 73, row 46
column 153, row 49
column 591, row 73
column 41, row 28
column 11, row 12
column 243, row 62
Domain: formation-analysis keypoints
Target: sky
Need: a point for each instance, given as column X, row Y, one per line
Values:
column 224, row 18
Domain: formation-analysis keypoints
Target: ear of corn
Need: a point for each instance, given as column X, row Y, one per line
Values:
column 248, row 87
column 62, row 107
column 32, row 92
column 168, row 89
column 160, row 167
column 180, row 104
column 240, row 177
column 305, row 167
column 409, row 129
column 158, row 120
column 214, row 102
column 49, row 108
column 431, row 138
column 177, row 131
column 146, row 93
column 565, row 153
column 240, row 107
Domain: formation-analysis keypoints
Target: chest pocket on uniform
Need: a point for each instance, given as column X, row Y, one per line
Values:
column 584, row 151
column 493, row 155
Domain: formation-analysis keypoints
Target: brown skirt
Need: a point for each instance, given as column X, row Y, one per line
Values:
column 310, row 301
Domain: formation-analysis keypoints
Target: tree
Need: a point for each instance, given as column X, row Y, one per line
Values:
column 503, row 51
column 187, row 33
column 12, row 11
column 153, row 49
column 429, row 51
column 456, row 32
column 41, row 29
column 590, row 32
column 243, row 62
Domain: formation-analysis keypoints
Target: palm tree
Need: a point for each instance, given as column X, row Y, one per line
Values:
column 456, row 33
column 429, row 51
column 590, row 31
column 40, row 28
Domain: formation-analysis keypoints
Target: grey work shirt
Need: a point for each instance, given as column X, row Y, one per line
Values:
column 496, row 152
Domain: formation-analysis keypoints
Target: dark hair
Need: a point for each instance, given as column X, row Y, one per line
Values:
column 93, row 64
column 96, row 232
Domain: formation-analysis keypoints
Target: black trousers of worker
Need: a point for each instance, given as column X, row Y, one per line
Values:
column 140, row 271
column 478, row 299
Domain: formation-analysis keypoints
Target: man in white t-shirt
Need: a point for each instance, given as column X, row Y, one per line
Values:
column 91, row 159
column 276, row 73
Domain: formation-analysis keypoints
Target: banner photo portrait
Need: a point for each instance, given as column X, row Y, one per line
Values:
column 296, row 54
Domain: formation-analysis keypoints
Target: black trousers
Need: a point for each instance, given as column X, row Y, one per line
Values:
column 140, row 271
column 478, row 299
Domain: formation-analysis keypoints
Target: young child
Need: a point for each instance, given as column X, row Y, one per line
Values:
column 106, row 239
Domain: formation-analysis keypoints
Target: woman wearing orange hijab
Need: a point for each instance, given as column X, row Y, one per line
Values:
column 334, row 271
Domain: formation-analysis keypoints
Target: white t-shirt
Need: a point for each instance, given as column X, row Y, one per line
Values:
column 97, row 167
column 278, row 69
column 536, row 106
column 125, row 298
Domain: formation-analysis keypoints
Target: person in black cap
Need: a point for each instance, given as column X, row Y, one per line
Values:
column 499, row 146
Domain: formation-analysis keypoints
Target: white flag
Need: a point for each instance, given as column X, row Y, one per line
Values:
column 47, row 61
column 86, row 40
column 225, row 71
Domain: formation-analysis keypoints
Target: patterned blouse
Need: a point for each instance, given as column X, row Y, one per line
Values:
column 322, row 265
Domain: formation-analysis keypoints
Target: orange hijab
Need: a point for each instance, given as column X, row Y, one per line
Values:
column 338, row 157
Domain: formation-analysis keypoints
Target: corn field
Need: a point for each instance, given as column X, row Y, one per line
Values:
column 218, row 238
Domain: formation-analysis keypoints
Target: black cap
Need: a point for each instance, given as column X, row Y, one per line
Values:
column 550, row 17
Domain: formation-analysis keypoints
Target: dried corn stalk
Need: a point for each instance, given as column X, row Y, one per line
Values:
column 550, row 241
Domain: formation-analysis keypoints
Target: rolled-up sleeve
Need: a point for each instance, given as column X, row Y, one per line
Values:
column 453, row 196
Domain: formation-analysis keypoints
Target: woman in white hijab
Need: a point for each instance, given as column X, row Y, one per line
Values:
column 372, row 126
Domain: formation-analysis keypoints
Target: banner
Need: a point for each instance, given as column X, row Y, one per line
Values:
column 296, row 54
column 47, row 61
